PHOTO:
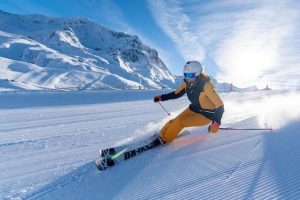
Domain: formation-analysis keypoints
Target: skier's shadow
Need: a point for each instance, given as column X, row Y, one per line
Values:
column 86, row 182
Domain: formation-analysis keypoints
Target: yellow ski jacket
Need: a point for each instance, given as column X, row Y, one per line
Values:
column 203, row 97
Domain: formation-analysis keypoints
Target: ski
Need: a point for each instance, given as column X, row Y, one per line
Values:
column 113, row 156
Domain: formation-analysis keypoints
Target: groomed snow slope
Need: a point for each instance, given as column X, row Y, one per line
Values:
column 48, row 142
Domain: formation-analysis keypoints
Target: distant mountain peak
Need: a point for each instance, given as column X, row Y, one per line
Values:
column 77, row 54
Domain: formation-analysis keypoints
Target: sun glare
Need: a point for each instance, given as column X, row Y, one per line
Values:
column 252, row 60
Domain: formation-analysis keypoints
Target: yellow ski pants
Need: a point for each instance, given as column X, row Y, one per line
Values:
column 187, row 118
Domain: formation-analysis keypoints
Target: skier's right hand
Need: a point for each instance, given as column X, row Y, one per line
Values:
column 157, row 98
column 214, row 127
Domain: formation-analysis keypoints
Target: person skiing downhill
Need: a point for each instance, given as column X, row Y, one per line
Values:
column 206, row 106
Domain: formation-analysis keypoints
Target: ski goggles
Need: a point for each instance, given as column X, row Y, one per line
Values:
column 189, row 75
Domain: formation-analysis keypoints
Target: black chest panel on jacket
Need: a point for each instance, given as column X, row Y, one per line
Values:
column 193, row 91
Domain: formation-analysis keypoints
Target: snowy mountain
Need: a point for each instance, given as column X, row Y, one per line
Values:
column 38, row 52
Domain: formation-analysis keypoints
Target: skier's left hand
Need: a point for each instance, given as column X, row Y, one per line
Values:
column 157, row 98
column 214, row 127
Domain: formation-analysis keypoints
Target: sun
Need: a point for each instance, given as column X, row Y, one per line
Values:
column 245, row 64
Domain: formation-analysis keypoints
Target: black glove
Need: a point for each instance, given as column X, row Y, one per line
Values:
column 157, row 99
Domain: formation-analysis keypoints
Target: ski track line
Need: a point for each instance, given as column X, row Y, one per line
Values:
column 57, row 149
column 259, row 161
column 264, row 171
column 49, row 114
column 178, row 185
column 175, row 149
column 223, row 145
column 58, row 122
column 77, row 111
column 62, row 184
column 32, row 164
column 175, row 166
column 53, row 153
column 38, row 184
column 266, row 187
column 222, row 193
column 40, row 154
column 170, row 149
column 82, row 110
column 94, row 142
column 77, row 122
column 240, row 162
column 74, row 133
column 216, row 146
column 46, row 173
column 266, row 158
column 59, row 186
column 293, row 167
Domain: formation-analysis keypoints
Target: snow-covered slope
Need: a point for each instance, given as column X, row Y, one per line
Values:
column 47, row 150
column 39, row 52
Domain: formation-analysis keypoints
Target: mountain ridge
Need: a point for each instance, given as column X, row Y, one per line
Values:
column 118, row 60
column 58, row 53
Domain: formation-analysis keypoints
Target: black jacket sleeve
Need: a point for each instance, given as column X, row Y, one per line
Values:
column 218, row 114
column 179, row 92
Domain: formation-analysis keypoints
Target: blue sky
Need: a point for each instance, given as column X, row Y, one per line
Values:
column 244, row 42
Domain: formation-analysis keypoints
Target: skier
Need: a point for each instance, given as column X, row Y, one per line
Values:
column 206, row 105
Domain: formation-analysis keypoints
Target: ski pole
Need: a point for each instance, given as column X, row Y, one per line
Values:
column 248, row 129
column 164, row 108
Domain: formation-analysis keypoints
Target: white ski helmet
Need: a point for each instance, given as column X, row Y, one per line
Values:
column 193, row 67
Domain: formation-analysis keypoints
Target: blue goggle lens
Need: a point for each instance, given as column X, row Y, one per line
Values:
column 189, row 75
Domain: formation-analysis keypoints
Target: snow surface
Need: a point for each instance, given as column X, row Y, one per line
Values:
column 48, row 141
